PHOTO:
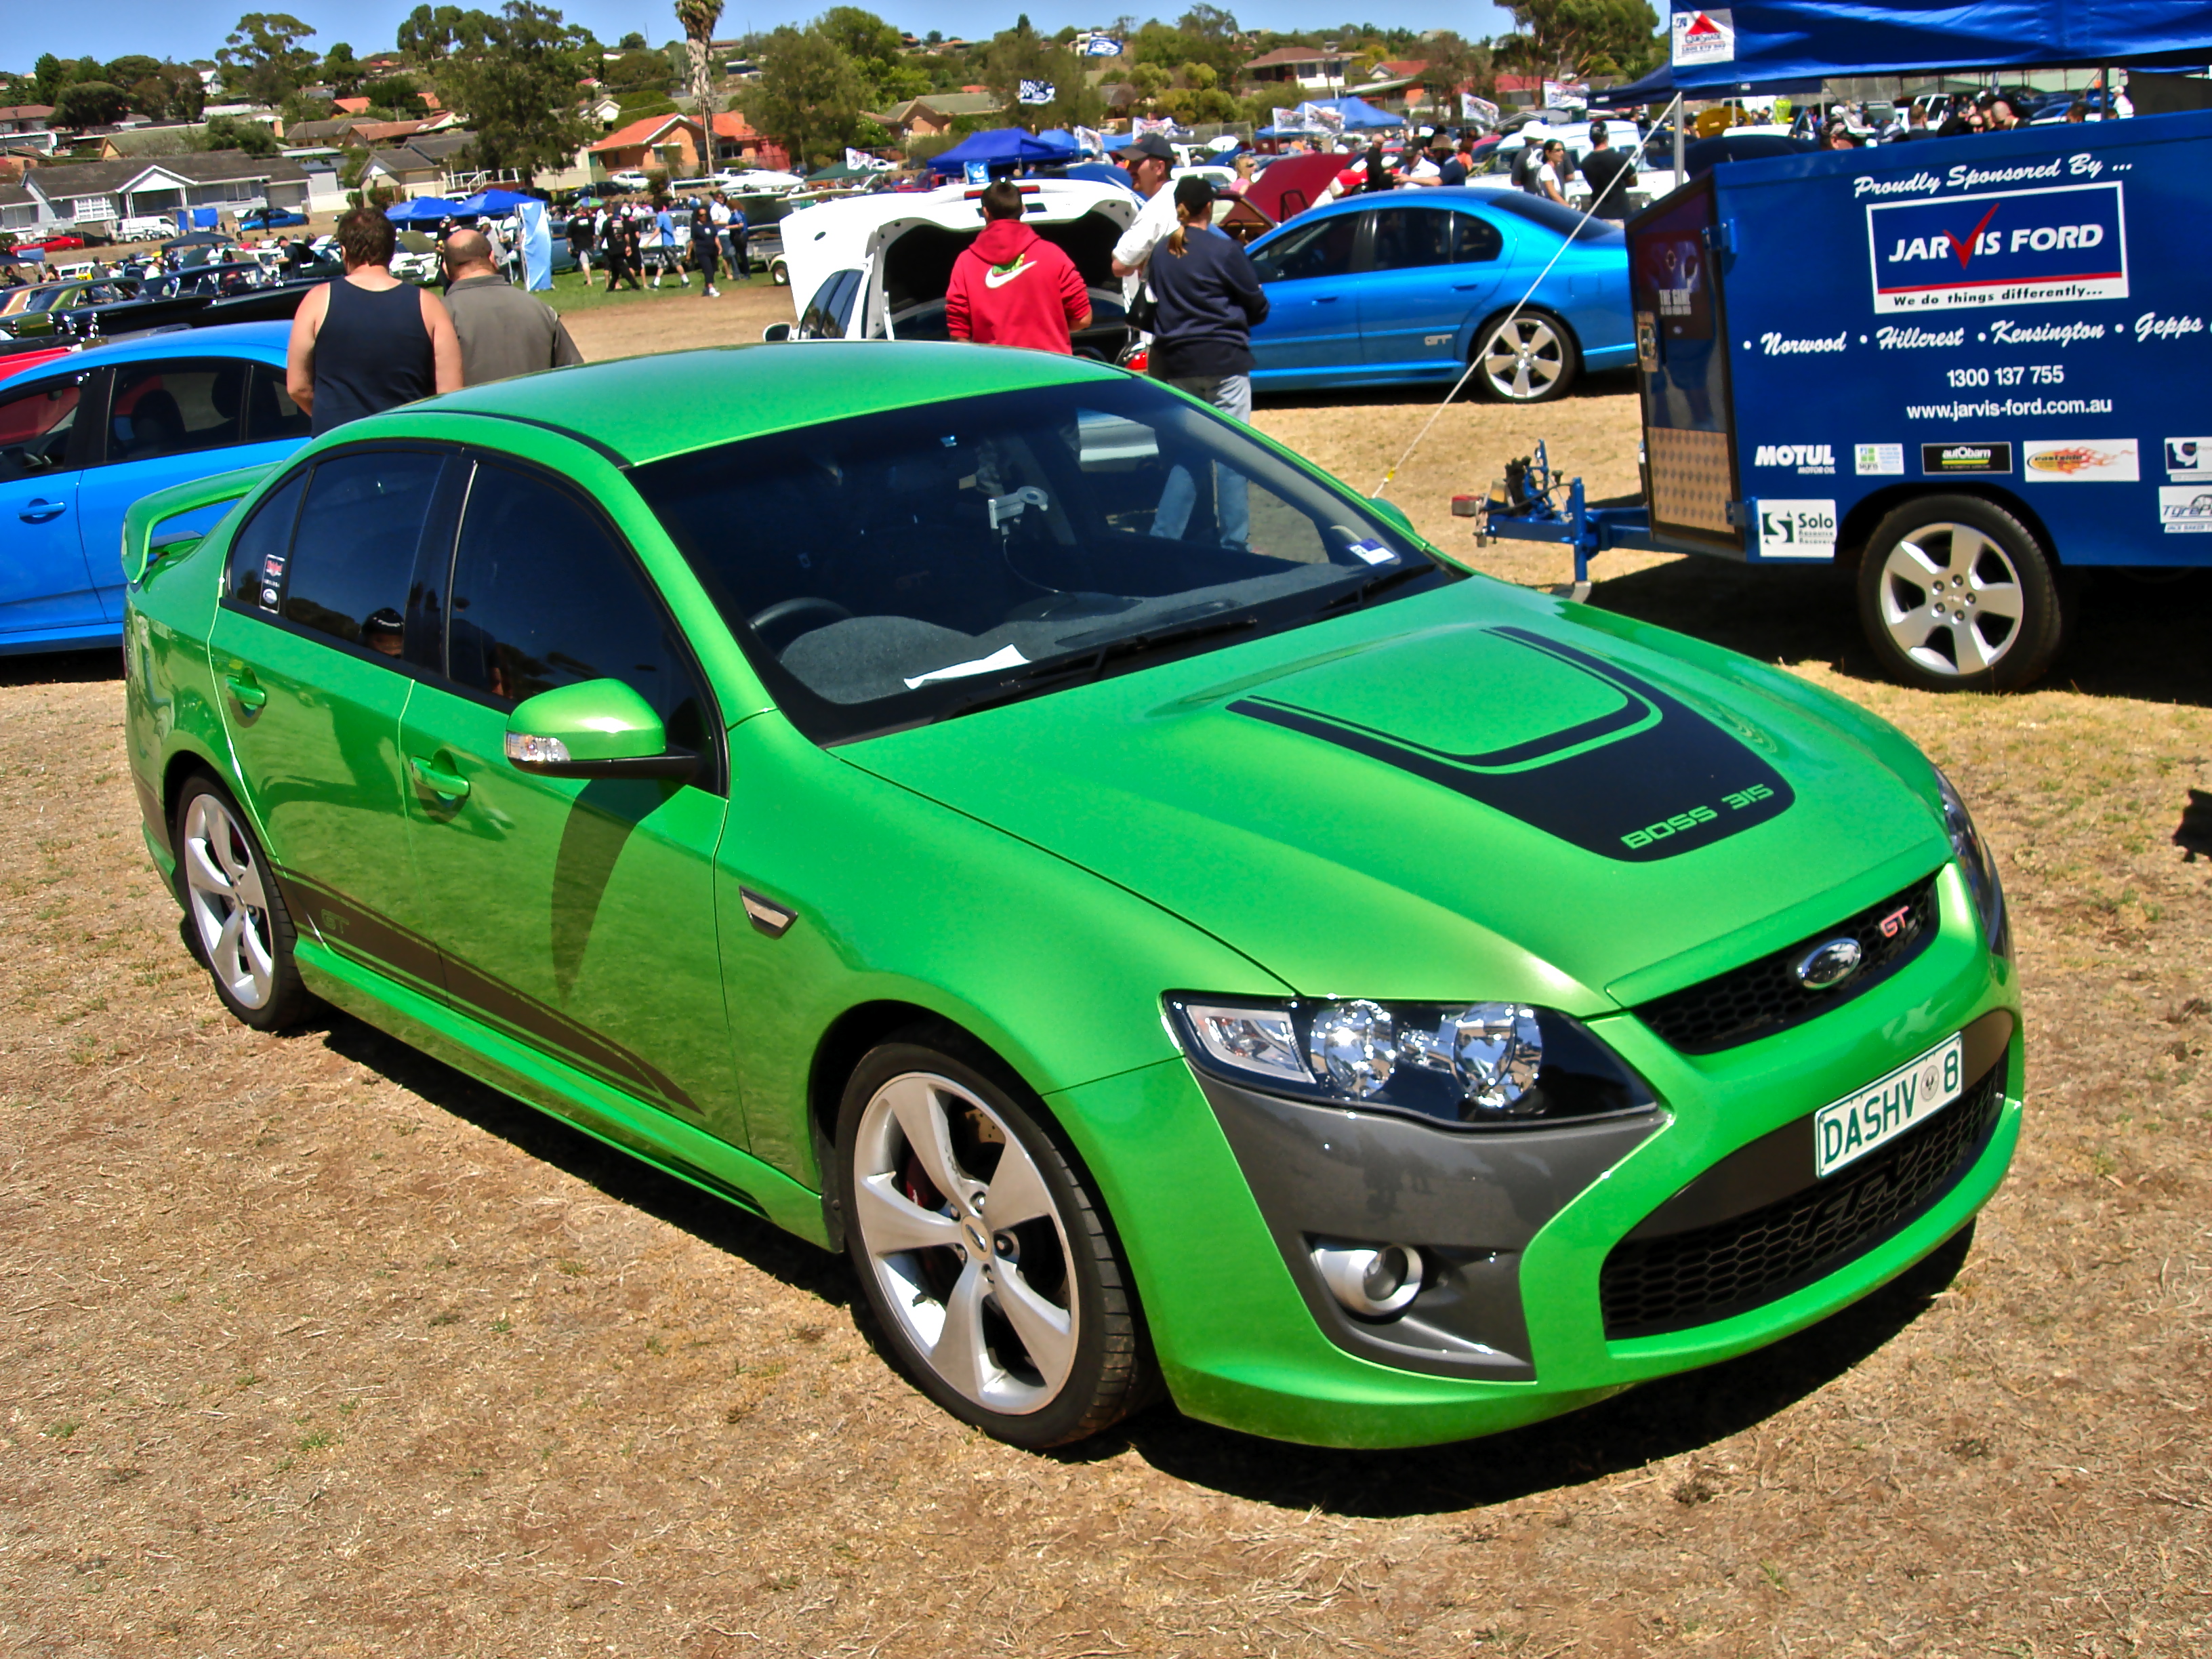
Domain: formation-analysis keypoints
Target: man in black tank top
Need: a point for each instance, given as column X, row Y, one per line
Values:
column 368, row 342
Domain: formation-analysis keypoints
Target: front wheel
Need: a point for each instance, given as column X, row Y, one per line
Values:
column 1529, row 359
column 239, row 923
column 1957, row 594
column 983, row 1255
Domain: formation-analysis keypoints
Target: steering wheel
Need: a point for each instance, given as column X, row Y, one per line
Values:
column 799, row 605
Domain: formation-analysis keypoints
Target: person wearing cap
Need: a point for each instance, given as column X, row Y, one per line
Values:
column 1838, row 135
column 1602, row 171
column 1151, row 159
column 1209, row 298
column 1011, row 287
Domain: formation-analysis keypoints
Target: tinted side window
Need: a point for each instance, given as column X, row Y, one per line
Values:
column 259, row 552
column 173, row 407
column 271, row 414
column 35, row 429
column 544, row 597
column 1407, row 238
column 1322, row 250
column 354, row 552
column 1477, row 240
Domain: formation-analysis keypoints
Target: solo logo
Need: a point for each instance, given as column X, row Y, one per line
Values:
column 1796, row 530
column 2067, row 243
column 1941, row 460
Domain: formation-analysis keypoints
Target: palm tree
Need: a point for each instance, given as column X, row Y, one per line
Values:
column 698, row 18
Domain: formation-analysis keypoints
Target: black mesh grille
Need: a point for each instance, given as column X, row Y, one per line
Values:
column 1651, row 1286
column 1763, row 997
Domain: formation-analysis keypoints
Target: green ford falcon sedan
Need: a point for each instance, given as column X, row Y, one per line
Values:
column 1177, row 930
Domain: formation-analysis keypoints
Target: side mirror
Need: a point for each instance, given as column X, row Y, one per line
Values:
column 593, row 729
column 776, row 333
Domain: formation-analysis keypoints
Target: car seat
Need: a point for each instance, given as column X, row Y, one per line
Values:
column 155, row 425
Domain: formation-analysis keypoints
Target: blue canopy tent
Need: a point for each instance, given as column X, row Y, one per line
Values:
column 425, row 210
column 493, row 202
column 1062, row 138
column 1101, row 173
column 1359, row 115
column 1659, row 87
column 1001, row 146
column 1759, row 43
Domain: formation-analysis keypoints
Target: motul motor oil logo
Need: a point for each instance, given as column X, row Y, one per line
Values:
column 2023, row 247
column 1805, row 458
column 1705, row 37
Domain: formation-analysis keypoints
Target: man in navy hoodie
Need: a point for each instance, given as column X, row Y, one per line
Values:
column 1011, row 287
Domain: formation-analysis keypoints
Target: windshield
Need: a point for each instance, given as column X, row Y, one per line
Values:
column 902, row 567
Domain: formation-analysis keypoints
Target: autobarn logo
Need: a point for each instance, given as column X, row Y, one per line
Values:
column 2020, row 247
column 1801, row 457
column 1937, row 460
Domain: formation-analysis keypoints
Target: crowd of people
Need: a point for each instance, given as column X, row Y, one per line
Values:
column 632, row 238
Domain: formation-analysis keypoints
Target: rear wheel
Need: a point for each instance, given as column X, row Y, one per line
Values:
column 982, row 1251
column 1529, row 359
column 235, row 913
column 1957, row 594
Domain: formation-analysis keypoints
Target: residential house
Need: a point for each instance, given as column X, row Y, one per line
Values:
column 674, row 143
column 933, row 113
column 350, row 106
column 26, row 125
column 605, row 108
column 229, row 181
column 735, row 140
column 19, row 207
column 139, row 143
column 419, row 167
column 1303, row 68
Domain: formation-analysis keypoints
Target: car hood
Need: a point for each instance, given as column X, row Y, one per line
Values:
column 1467, row 794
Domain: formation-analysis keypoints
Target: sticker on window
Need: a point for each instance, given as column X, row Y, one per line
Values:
column 1373, row 551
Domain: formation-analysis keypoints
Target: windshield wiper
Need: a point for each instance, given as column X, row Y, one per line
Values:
column 1051, row 676
column 1374, row 585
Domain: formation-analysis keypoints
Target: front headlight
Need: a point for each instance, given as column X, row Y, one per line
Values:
column 1483, row 1064
column 1979, row 862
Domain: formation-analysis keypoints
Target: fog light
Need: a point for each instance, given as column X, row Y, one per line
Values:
column 1372, row 1280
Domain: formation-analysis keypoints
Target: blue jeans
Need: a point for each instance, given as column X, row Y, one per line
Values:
column 1232, row 508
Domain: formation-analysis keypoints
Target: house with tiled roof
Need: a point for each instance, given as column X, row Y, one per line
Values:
column 933, row 113
column 735, row 140
column 1307, row 68
column 675, row 144
column 27, row 125
column 418, row 167
column 229, row 181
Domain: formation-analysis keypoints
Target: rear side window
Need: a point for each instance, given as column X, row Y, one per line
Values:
column 353, row 555
column 271, row 414
column 544, row 596
column 1475, row 240
column 174, row 408
column 259, row 550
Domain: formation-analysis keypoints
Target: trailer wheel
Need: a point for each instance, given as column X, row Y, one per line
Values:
column 1957, row 594
column 1529, row 359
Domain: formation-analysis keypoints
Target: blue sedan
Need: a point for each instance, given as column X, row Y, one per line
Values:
column 83, row 436
column 1412, row 285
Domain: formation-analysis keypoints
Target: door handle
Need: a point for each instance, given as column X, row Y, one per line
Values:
column 248, row 691
column 1326, row 299
column 40, row 510
column 1469, row 287
column 439, row 781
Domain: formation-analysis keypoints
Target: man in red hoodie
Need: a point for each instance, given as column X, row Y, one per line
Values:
column 1011, row 287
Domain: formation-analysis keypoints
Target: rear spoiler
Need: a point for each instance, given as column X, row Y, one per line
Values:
column 140, row 554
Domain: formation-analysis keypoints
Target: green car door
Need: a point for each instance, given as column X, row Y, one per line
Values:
column 309, row 652
column 575, row 916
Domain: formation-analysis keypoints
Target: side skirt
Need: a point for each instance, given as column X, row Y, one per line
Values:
column 537, row 1079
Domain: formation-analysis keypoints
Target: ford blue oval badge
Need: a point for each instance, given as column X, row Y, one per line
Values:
column 1825, row 966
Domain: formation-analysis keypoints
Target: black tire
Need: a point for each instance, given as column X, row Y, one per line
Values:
column 1544, row 357
column 1956, row 594
column 1072, row 1262
column 224, row 877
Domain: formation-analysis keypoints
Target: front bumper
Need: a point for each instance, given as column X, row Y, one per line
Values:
column 1249, row 1340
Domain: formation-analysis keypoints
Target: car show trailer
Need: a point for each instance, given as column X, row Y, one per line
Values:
column 1973, row 367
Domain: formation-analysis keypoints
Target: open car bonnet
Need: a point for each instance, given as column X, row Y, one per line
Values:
column 1447, row 796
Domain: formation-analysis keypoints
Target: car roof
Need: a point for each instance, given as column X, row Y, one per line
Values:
column 265, row 341
column 637, row 410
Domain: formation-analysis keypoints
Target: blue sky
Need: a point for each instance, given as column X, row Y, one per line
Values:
column 196, row 29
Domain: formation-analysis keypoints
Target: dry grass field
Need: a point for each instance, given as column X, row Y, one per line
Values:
column 309, row 1346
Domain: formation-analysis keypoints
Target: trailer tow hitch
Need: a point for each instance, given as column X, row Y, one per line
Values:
column 1524, row 506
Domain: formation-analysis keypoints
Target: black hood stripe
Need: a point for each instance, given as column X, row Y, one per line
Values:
column 1623, row 787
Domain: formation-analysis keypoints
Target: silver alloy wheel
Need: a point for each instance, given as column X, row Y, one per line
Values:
column 971, row 1277
column 1523, row 359
column 1950, row 598
column 229, row 906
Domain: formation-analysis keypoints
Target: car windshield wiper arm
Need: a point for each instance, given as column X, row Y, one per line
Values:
column 1374, row 585
column 1049, row 675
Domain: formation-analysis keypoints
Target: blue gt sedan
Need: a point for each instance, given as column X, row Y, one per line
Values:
column 1412, row 285
column 83, row 436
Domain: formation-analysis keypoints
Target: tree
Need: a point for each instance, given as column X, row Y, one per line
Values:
column 1452, row 63
column 517, row 88
column 431, row 34
column 810, row 97
column 1567, row 38
column 263, row 60
column 90, row 104
column 698, row 18
column 343, row 70
column 631, row 42
column 49, row 76
column 1022, row 54
column 227, row 132
column 886, row 74
column 636, row 71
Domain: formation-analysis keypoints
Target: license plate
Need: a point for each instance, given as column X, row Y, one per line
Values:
column 1848, row 1129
